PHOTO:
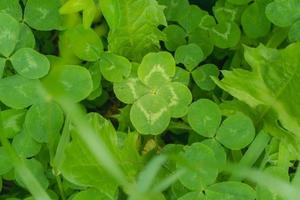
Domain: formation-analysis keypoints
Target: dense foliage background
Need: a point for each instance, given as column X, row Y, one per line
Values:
column 149, row 99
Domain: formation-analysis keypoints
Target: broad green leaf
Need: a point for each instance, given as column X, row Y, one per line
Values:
column 294, row 33
column 177, row 96
column 175, row 9
column 202, row 39
column 193, row 196
column 9, row 34
column 133, row 26
column 26, row 39
column 25, row 145
column 230, row 190
column 30, row 63
column 130, row 90
column 5, row 161
column 19, row 92
column 38, row 172
column 224, row 14
column 182, row 76
column 202, row 76
column 283, row 13
column 254, row 21
column 200, row 166
column 114, row 68
column 12, row 122
column 175, row 37
column 12, row 8
column 218, row 150
column 225, row 35
column 85, row 43
column 2, row 66
column 156, row 69
column 150, row 114
column 190, row 55
column 90, row 194
column 69, row 81
column 43, row 121
column 272, row 83
column 236, row 132
column 43, row 14
column 204, row 116
column 239, row 2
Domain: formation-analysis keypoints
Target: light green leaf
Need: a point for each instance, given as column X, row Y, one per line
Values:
column 150, row 115
column 9, row 34
column 26, row 39
column 91, row 194
column 175, row 37
column 85, row 43
column 230, row 190
column 193, row 196
column 218, row 150
column 182, row 76
column 133, row 26
column 2, row 66
column 190, row 55
column 225, row 14
column 225, row 35
column 12, row 8
column 12, row 121
column 43, row 14
column 200, row 166
column 114, row 68
column 294, row 33
column 19, row 92
column 25, row 145
column 5, row 161
column 30, row 63
column 94, row 69
column 129, row 90
column 202, row 76
column 283, row 13
column 273, row 83
column 156, row 69
column 236, row 132
column 175, row 9
column 204, row 116
column 43, row 121
column 254, row 21
column 178, row 98
column 69, row 81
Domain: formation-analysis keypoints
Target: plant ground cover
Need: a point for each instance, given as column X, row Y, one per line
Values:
column 149, row 99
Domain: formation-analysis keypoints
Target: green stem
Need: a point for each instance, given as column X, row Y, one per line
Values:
column 278, row 36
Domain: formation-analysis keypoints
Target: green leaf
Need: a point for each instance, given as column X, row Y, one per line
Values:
column 218, row 150
column 224, row 14
column 273, row 83
column 239, row 2
column 85, row 43
column 69, row 81
column 200, row 166
column 114, row 68
column 12, row 122
column 26, row 39
column 43, row 14
column 204, row 116
column 283, row 13
column 175, row 37
column 91, row 194
column 202, row 76
column 156, row 69
column 294, row 33
column 5, row 161
column 130, row 90
column 190, row 55
column 133, row 26
column 236, row 132
column 193, row 196
column 25, row 145
column 175, row 9
column 230, row 190
column 182, row 76
column 19, row 92
column 203, row 40
column 150, row 115
column 2, row 66
column 43, row 121
column 94, row 69
column 178, row 98
column 9, row 34
column 30, row 63
column 225, row 35
column 254, row 21
column 12, row 8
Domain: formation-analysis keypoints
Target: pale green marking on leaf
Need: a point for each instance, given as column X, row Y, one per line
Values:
column 156, row 69
column 220, row 12
column 12, row 121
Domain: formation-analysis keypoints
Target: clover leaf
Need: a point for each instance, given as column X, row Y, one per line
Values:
column 11, row 7
column 294, row 33
column 26, row 39
column 190, row 55
column 5, row 161
column 91, row 194
column 175, row 9
column 175, row 37
column 193, row 196
column 2, row 66
column 202, row 76
column 12, row 121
